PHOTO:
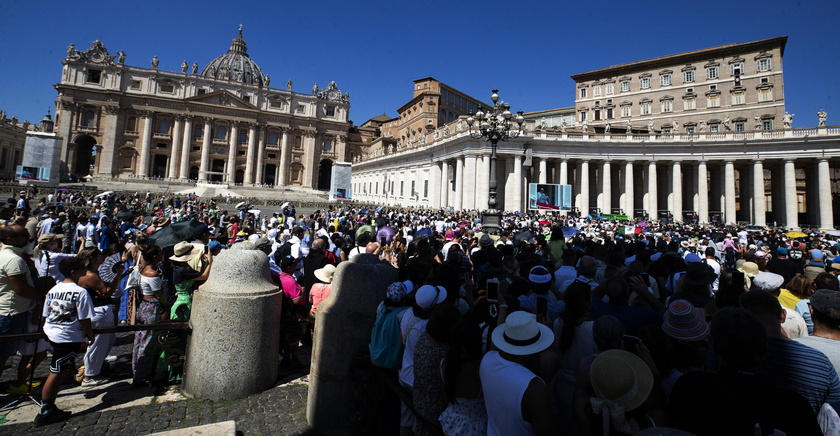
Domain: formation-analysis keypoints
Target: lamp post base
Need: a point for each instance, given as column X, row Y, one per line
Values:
column 491, row 221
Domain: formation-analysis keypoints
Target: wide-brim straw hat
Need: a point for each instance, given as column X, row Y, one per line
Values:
column 326, row 273
column 185, row 252
column 522, row 335
column 622, row 377
column 750, row 269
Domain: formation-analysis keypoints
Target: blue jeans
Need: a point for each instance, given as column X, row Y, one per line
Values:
column 12, row 325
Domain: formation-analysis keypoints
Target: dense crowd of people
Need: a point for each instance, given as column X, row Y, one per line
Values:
column 551, row 324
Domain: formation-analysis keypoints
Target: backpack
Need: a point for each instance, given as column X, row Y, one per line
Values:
column 386, row 346
column 729, row 258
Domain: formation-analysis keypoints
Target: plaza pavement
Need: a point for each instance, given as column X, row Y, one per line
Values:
column 117, row 408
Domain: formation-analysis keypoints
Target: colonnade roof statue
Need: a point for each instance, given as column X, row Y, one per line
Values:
column 236, row 65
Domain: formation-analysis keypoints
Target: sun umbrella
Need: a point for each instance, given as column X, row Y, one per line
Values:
column 524, row 235
column 239, row 205
column 254, row 211
column 361, row 230
column 544, row 222
column 833, row 233
column 795, row 235
column 569, row 232
column 104, row 194
column 464, row 225
column 172, row 234
column 642, row 224
column 425, row 232
column 386, row 232
column 125, row 215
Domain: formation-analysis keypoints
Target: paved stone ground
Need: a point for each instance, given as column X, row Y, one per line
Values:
column 117, row 408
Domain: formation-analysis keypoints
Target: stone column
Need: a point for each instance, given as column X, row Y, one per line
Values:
column 309, row 155
column 759, row 206
column 249, row 156
column 234, row 144
column 341, row 391
column 186, row 147
column 676, row 181
column 653, row 197
column 66, row 112
column 702, row 192
column 563, row 177
column 458, row 200
column 258, row 177
column 791, row 202
column 542, row 175
column 483, row 194
column 434, row 185
column 285, row 157
column 606, row 187
column 105, row 159
column 729, row 192
column 444, row 184
column 226, row 362
column 584, row 188
column 629, row 190
column 517, row 182
column 176, row 147
column 469, row 197
column 145, row 143
column 205, row 150
column 824, row 188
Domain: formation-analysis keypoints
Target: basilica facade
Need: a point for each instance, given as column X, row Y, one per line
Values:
column 221, row 123
column 700, row 136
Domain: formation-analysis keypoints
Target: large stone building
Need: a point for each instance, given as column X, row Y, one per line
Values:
column 223, row 123
column 742, row 163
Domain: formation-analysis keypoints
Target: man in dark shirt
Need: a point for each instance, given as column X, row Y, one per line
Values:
column 784, row 266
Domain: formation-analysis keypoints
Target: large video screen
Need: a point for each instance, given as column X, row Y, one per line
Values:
column 544, row 196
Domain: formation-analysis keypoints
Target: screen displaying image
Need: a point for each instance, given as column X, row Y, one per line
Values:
column 549, row 196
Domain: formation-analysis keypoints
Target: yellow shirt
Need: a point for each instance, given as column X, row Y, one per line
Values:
column 787, row 299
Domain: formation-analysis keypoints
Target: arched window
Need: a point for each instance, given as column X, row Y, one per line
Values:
column 163, row 126
column 221, row 132
column 88, row 119
column 272, row 138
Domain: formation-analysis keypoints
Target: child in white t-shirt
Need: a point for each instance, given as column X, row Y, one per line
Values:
column 67, row 314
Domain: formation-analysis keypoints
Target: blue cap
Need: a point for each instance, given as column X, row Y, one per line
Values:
column 782, row 251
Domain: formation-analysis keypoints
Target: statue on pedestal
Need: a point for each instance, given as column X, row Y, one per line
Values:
column 121, row 57
column 607, row 127
column 702, row 127
column 757, row 122
column 315, row 89
column 585, row 126
column 155, row 62
column 726, row 123
column 629, row 128
column 184, row 66
column 563, row 126
column 675, row 126
column 787, row 120
column 650, row 126
column 822, row 116
column 267, row 80
column 71, row 50
column 289, row 85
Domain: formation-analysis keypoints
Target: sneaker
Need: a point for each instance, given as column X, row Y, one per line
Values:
column 93, row 381
column 23, row 389
column 111, row 359
column 54, row 415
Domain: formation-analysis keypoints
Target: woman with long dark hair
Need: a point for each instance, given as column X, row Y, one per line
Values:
column 151, row 310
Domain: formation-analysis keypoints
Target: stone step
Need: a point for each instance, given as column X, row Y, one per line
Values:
column 224, row 428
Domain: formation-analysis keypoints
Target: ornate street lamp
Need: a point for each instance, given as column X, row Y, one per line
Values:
column 497, row 124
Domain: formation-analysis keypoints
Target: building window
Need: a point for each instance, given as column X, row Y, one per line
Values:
column 582, row 92
column 609, row 113
column 94, row 76
column 330, row 111
column 201, row 91
column 243, row 137
column 714, row 128
column 298, row 142
column 402, row 185
column 625, row 86
column 740, row 127
column 736, row 69
column 737, row 97
column 665, row 80
column 135, row 85
column 610, row 88
column 198, row 132
column 596, row 90
column 272, row 138
column 689, row 104
column 712, row 73
column 163, row 127
column 645, row 108
column 666, row 106
column 131, row 124
column 713, row 101
column 582, row 116
column 767, row 125
column 688, row 76
column 221, row 132
column 301, row 109
column 763, row 65
column 644, row 82
column 89, row 119
column 167, row 88
column 597, row 114
column 765, row 95
column 689, row 130
column 625, row 111
column 327, row 145
column 425, row 188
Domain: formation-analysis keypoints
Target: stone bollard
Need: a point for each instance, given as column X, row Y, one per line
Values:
column 235, row 321
column 340, row 380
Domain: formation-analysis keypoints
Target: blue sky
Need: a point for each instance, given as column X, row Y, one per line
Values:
column 375, row 49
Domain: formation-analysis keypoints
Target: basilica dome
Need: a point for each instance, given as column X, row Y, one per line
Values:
column 236, row 65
